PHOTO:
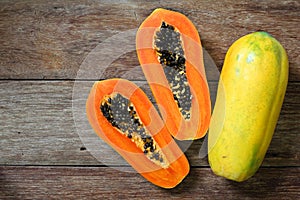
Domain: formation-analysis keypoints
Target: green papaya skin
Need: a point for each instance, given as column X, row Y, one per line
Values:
column 250, row 94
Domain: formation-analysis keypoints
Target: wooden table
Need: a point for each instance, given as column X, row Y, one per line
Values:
column 43, row 45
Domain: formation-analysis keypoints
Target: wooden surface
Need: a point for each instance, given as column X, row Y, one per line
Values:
column 43, row 48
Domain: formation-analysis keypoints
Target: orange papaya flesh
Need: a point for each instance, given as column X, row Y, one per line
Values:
column 170, row 53
column 122, row 115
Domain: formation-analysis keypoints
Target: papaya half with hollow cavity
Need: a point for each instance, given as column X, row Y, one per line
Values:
column 122, row 115
column 250, row 94
column 170, row 53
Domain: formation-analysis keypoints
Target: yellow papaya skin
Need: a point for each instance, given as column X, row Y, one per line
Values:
column 250, row 94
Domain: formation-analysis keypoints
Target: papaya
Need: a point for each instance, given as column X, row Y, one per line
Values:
column 170, row 53
column 250, row 94
column 122, row 115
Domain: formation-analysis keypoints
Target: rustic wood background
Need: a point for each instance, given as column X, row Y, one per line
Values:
column 43, row 45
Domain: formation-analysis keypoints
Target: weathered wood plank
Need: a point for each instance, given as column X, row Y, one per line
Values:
column 50, row 40
column 38, row 128
column 106, row 183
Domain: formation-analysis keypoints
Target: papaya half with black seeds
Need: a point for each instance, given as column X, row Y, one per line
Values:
column 250, row 94
column 122, row 115
column 170, row 53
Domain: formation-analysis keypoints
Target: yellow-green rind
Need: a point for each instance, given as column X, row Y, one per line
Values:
column 250, row 95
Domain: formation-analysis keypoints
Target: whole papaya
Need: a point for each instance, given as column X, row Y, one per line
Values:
column 250, row 94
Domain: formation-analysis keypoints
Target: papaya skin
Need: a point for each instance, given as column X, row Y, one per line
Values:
column 250, row 94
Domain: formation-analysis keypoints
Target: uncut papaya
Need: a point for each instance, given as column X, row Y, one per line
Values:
column 250, row 94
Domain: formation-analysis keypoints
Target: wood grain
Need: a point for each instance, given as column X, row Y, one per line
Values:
column 45, row 47
column 106, row 183
column 42, row 40
column 38, row 128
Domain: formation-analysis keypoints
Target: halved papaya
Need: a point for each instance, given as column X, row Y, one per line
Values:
column 170, row 53
column 122, row 115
